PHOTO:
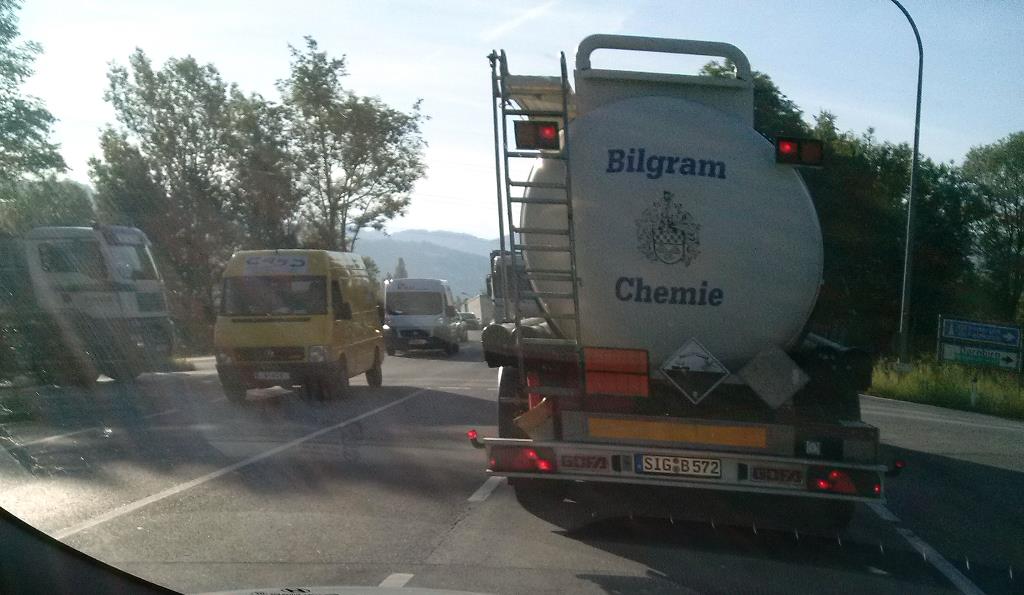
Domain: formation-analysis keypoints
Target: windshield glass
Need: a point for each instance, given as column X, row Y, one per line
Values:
column 133, row 262
column 747, row 275
column 73, row 256
column 247, row 296
column 413, row 303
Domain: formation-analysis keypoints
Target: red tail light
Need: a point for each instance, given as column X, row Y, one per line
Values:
column 472, row 435
column 850, row 482
column 522, row 459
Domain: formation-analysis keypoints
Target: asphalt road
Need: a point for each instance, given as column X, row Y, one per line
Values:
column 166, row 479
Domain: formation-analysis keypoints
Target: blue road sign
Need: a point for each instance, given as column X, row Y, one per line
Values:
column 1006, row 337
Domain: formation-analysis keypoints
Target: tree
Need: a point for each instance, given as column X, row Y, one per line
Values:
column 173, row 145
column 25, row 146
column 262, row 178
column 400, row 272
column 358, row 158
column 999, row 169
column 48, row 201
column 774, row 113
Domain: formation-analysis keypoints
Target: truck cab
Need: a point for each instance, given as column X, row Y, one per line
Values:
column 297, row 318
column 91, row 301
column 420, row 314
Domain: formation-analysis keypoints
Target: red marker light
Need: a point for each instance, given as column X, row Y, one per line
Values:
column 537, row 136
column 877, row 489
column 807, row 152
column 472, row 435
column 900, row 464
column 822, row 484
column 833, row 475
column 543, row 465
column 531, row 454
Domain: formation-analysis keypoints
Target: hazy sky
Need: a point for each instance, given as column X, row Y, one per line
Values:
column 857, row 59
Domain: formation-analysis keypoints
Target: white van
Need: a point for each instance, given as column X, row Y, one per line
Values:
column 420, row 314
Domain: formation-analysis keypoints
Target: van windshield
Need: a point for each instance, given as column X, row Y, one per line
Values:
column 280, row 295
column 413, row 303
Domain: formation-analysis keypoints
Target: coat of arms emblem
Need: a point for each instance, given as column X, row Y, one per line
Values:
column 667, row 233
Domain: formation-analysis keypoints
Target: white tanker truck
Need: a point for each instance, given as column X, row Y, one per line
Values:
column 677, row 256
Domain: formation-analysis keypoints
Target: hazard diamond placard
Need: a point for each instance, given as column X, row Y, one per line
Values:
column 694, row 371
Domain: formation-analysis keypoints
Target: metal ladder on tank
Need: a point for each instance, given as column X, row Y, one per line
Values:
column 503, row 109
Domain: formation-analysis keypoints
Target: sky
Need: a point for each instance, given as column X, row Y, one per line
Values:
column 857, row 59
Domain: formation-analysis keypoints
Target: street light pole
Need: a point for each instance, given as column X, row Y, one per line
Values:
column 908, row 247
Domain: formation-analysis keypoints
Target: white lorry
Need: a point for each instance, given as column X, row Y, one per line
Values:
column 677, row 256
column 77, row 302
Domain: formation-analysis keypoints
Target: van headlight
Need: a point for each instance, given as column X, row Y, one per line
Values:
column 317, row 354
column 224, row 357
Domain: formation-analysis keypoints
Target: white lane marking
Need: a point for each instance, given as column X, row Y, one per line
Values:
column 961, row 582
column 455, row 388
column 485, row 490
column 935, row 418
column 884, row 513
column 396, row 580
column 89, row 429
column 931, row 555
column 188, row 485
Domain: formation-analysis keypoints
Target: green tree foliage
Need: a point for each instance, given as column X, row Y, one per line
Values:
column 264, row 196
column 774, row 113
column 999, row 170
column 48, row 201
column 860, row 197
column 25, row 145
column 358, row 158
column 400, row 272
column 167, row 168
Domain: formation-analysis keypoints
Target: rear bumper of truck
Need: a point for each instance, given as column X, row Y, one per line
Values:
column 733, row 472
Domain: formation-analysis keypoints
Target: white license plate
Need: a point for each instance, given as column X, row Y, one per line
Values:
column 272, row 375
column 690, row 466
column 417, row 341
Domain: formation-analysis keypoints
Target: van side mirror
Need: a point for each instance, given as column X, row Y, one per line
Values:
column 343, row 311
column 450, row 311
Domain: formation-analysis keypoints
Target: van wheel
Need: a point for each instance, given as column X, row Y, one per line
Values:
column 375, row 375
column 234, row 391
column 336, row 387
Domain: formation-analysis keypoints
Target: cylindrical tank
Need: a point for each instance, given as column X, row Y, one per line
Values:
column 686, row 228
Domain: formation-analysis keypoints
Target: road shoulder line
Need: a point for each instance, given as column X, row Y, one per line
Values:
column 486, row 488
column 930, row 554
column 181, row 487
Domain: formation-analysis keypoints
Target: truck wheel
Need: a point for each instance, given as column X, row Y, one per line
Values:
column 509, row 404
column 375, row 375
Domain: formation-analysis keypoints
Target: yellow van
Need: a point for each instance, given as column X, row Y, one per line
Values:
column 297, row 318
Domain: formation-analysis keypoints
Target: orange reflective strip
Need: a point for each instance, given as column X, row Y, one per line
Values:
column 667, row 431
column 612, row 383
column 600, row 359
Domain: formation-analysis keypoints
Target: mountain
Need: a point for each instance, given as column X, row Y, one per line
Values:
column 459, row 258
column 463, row 242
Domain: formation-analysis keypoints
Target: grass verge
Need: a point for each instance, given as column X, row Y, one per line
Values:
column 949, row 385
